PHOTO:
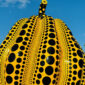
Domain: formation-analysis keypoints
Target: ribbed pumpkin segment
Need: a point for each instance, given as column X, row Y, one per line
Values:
column 5, row 46
column 14, row 56
column 72, row 61
column 47, row 59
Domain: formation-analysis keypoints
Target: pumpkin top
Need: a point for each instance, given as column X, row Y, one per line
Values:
column 42, row 8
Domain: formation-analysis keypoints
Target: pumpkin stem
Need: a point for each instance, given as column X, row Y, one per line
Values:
column 42, row 8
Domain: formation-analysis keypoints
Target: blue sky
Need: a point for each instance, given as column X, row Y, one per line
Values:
column 72, row 12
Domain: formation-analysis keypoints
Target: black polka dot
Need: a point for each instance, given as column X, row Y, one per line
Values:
column 19, row 60
column 17, row 72
column 19, row 39
column 46, row 80
column 51, row 35
column 79, row 53
column 9, row 79
column 9, row 68
column 11, row 57
column 80, row 73
column 81, row 63
column 15, row 47
column 16, row 77
column 50, row 60
column 37, row 81
column 43, row 56
column 22, row 32
column 75, row 60
column 18, row 66
column 52, row 30
column 75, row 66
column 29, row 30
column 16, row 83
column 78, row 82
column 51, row 50
column 49, row 70
column 22, row 47
column 41, row 69
column 42, row 63
column 20, row 53
column 51, row 42
column 24, row 26
column 39, row 76
column 76, row 44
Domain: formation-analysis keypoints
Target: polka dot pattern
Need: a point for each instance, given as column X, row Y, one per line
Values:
column 51, row 67
column 46, row 60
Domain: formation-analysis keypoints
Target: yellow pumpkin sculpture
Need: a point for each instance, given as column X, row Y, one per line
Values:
column 41, row 51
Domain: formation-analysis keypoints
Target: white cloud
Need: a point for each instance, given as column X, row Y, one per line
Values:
column 21, row 3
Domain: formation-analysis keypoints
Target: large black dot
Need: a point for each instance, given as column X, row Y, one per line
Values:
column 46, row 80
column 9, row 69
column 51, row 35
column 15, row 47
column 11, row 57
column 80, row 73
column 76, row 44
column 79, row 53
column 51, row 42
column 81, row 63
column 78, row 82
column 22, row 32
column 51, row 50
column 24, row 26
column 50, row 60
column 49, row 70
column 9, row 79
column 19, row 39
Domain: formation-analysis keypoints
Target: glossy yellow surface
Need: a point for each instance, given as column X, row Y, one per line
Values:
column 41, row 51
